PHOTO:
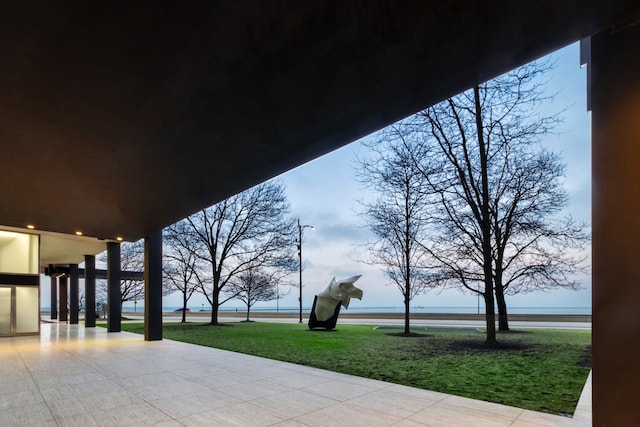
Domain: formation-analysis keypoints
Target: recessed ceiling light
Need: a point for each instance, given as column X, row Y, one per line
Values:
column 119, row 239
column 31, row 226
column 78, row 233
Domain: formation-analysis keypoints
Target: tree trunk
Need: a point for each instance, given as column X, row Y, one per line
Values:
column 248, row 309
column 214, row 307
column 184, row 307
column 490, row 316
column 485, row 223
column 406, row 315
column 503, row 320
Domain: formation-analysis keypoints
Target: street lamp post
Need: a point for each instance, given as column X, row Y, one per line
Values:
column 300, row 228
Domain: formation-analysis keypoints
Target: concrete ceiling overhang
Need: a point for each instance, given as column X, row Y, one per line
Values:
column 120, row 118
column 59, row 248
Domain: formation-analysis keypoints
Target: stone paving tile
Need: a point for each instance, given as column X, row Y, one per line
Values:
column 72, row 376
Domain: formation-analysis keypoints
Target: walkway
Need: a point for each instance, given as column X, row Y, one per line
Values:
column 72, row 376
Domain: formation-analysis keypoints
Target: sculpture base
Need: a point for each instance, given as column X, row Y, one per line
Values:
column 329, row 324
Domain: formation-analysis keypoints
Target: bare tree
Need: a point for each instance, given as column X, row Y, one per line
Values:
column 397, row 217
column 496, row 193
column 254, row 285
column 248, row 230
column 181, row 268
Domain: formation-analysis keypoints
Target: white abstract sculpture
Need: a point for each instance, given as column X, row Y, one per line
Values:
column 327, row 301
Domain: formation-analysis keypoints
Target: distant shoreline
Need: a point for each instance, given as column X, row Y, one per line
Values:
column 580, row 318
column 378, row 315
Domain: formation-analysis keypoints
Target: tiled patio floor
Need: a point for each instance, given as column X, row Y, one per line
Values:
column 72, row 376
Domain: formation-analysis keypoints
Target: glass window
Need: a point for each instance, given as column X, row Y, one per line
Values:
column 19, row 253
column 27, row 309
column 5, row 311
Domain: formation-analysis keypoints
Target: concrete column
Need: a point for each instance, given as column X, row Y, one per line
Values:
column 74, row 298
column 89, row 291
column 54, row 294
column 63, row 299
column 615, row 90
column 114, row 322
column 153, row 287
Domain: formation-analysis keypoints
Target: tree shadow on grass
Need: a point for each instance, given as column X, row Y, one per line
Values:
column 409, row 335
column 513, row 332
column 585, row 361
column 217, row 325
column 464, row 345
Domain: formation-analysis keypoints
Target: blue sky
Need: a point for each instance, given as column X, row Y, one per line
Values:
column 324, row 193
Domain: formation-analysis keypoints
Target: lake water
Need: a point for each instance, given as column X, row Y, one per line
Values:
column 398, row 309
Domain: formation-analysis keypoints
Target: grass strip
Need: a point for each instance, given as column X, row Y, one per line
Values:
column 540, row 370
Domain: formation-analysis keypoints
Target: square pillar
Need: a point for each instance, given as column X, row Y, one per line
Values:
column 74, row 298
column 153, row 287
column 615, row 100
column 114, row 321
column 63, row 299
column 89, row 291
column 54, row 294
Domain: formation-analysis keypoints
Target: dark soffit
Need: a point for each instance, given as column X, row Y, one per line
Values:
column 120, row 118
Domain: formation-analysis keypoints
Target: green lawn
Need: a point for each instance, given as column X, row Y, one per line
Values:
column 541, row 370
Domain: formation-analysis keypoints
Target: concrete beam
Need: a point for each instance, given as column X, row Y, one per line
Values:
column 74, row 296
column 89, row 291
column 615, row 61
column 153, row 287
column 63, row 311
column 114, row 321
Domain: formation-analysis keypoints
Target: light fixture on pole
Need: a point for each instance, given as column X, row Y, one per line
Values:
column 300, row 228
